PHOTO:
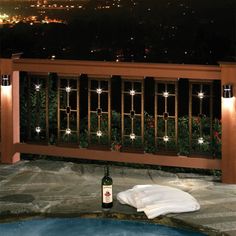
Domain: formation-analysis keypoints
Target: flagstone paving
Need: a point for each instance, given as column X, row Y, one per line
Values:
column 60, row 188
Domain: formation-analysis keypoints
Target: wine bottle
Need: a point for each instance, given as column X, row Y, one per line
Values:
column 107, row 199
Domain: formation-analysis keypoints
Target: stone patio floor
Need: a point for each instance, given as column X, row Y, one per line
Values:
column 62, row 188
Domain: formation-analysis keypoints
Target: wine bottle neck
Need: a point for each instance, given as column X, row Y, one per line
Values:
column 107, row 171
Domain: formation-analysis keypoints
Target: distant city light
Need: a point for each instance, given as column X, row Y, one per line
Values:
column 4, row 16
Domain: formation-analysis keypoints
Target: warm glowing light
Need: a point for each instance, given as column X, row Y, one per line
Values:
column 132, row 92
column 4, row 16
column 165, row 138
column 68, row 131
column 166, row 94
column 6, row 91
column 37, row 87
column 99, row 90
column 99, row 133
column 132, row 136
column 201, row 95
column 229, row 104
column 68, row 89
column 38, row 129
column 200, row 140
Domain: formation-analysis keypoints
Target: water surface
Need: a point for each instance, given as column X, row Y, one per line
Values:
column 88, row 227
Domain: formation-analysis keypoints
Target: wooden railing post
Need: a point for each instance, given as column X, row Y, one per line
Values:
column 228, row 76
column 10, row 118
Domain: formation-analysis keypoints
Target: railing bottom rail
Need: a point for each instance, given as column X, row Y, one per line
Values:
column 106, row 155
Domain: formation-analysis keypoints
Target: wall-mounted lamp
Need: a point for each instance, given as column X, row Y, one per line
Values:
column 6, row 80
column 227, row 91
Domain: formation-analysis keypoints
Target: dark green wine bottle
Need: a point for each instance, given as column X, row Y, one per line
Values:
column 107, row 199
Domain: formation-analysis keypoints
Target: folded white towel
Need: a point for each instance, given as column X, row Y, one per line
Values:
column 157, row 200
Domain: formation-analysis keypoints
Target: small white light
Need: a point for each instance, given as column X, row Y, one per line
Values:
column 200, row 140
column 37, row 87
column 166, row 94
column 68, row 89
column 132, row 136
column 201, row 95
column 99, row 90
column 68, row 131
column 38, row 129
column 165, row 138
column 132, row 92
column 99, row 133
column 53, row 57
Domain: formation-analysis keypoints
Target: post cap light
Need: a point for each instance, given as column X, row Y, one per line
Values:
column 227, row 91
column 6, row 80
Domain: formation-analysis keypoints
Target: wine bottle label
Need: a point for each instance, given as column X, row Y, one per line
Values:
column 107, row 193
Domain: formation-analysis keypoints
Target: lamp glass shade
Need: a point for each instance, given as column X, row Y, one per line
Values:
column 227, row 91
column 6, row 80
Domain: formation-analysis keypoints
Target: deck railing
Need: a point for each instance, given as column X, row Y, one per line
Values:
column 69, row 103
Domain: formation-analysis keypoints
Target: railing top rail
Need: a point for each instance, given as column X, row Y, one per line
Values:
column 211, row 72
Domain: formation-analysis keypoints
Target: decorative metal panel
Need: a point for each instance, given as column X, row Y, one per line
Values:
column 37, row 108
column 132, row 113
column 99, row 111
column 200, row 117
column 68, row 120
column 166, row 116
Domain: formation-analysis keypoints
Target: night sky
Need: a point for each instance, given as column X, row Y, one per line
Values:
column 174, row 31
